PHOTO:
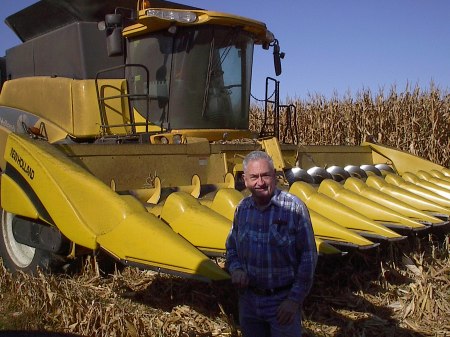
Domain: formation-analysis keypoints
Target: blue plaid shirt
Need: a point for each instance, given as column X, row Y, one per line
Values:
column 275, row 246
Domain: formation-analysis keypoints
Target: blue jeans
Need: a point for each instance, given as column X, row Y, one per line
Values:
column 258, row 316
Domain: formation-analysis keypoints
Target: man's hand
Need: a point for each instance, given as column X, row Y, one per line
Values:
column 239, row 278
column 287, row 311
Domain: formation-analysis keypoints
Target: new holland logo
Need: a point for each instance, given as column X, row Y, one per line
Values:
column 21, row 162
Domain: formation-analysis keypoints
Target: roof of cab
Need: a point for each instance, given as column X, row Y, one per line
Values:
column 47, row 15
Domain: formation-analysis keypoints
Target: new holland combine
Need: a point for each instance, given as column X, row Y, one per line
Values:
column 120, row 131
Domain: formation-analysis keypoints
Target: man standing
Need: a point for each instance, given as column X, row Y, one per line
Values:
column 271, row 253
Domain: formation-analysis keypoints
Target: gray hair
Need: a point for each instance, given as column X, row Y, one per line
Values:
column 257, row 155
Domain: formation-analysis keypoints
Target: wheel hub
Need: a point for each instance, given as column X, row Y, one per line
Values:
column 20, row 254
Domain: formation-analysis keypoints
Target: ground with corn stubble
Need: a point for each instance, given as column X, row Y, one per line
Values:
column 399, row 290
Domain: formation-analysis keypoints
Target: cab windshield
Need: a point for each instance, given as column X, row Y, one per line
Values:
column 199, row 78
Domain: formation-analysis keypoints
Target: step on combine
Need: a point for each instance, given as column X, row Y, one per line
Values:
column 123, row 126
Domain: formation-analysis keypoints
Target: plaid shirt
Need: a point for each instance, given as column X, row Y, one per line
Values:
column 275, row 246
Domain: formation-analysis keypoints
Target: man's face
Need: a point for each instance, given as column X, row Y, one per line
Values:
column 260, row 180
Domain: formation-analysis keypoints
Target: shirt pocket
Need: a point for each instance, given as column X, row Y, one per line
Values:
column 243, row 235
column 279, row 235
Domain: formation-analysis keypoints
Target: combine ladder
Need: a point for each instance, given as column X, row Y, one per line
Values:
column 276, row 113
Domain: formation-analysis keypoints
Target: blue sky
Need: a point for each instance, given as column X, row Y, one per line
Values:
column 336, row 46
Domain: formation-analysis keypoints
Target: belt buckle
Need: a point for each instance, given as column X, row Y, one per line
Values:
column 263, row 292
column 271, row 291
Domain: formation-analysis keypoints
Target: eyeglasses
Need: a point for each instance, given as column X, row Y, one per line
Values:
column 266, row 177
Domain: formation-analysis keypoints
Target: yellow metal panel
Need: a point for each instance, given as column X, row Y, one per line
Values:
column 152, row 24
column 154, row 209
column 225, row 202
column 69, row 104
column 325, row 156
column 215, row 134
column 86, row 113
column 324, row 248
column 327, row 229
column 406, row 196
column 440, row 175
column 4, row 132
column 200, row 225
column 46, row 97
column 402, row 161
column 361, row 188
column 367, row 207
column 89, row 213
column 15, row 200
column 431, row 186
column 418, row 190
column 143, row 238
column 55, row 180
column 272, row 147
column 149, row 195
column 339, row 213
column 20, row 94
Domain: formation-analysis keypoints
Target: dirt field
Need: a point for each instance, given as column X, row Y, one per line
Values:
column 401, row 290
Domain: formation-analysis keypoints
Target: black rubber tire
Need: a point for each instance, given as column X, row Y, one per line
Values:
column 19, row 257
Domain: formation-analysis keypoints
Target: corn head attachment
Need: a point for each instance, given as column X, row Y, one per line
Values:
column 123, row 127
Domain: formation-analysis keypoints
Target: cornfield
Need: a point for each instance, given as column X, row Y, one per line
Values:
column 417, row 121
column 399, row 290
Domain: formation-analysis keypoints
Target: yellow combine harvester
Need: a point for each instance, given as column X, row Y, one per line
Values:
column 120, row 124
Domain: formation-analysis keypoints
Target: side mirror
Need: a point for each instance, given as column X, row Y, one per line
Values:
column 114, row 40
column 277, row 56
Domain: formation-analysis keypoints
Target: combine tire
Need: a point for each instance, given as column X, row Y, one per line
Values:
column 20, row 257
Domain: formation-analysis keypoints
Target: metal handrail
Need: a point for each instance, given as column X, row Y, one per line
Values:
column 276, row 106
column 101, row 99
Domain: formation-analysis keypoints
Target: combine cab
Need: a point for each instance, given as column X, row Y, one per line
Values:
column 121, row 128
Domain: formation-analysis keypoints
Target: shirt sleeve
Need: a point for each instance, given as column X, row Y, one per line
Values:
column 231, row 245
column 307, row 257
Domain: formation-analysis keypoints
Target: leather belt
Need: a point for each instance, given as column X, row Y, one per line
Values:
column 268, row 292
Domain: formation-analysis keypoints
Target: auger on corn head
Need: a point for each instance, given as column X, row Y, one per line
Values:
column 120, row 124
